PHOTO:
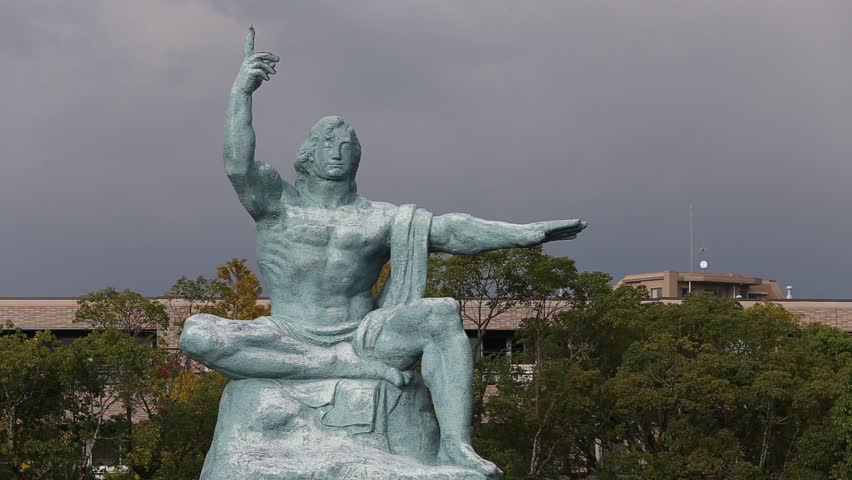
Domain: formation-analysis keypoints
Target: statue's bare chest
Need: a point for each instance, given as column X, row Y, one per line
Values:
column 347, row 229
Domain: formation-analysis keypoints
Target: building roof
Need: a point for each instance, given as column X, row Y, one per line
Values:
column 708, row 277
column 58, row 313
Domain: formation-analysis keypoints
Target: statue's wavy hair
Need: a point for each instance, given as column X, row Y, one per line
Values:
column 321, row 131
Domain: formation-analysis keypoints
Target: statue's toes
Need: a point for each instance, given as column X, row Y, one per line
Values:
column 475, row 476
column 463, row 455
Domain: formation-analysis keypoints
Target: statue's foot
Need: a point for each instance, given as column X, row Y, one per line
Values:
column 459, row 453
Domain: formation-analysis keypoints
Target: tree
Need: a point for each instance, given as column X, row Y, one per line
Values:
column 384, row 274
column 840, row 444
column 180, row 413
column 486, row 285
column 110, row 373
column 158, row 415
column 237, row 290
column 32, row 400
column 546, row 291
column 175, row 439
column 546, row 420
column 188, row 296
column 528, row 410
column 715, row 389
column 702, row 389
column 127, row 311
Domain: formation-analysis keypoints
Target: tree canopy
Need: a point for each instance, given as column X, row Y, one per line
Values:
column 702, row 389
column 112, row 390
column 236, row 290
column 124, row 310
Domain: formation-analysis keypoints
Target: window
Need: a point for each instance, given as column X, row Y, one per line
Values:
column 656, row 293
column 493, row 343
column 105, row 453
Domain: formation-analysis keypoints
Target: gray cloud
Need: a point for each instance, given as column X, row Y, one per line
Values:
column 619, row 112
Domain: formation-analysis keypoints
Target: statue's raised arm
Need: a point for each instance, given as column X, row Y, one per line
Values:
column 257, row 184
column 462, row 234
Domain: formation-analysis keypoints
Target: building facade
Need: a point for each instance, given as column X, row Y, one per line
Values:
column 57, row 314
column 673, row 284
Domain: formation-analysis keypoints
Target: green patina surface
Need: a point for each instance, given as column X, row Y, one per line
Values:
column 322, row 388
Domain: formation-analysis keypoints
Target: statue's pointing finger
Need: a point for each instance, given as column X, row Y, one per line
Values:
column 249, row 48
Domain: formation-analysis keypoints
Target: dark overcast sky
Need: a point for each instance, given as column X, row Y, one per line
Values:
column 619, row 112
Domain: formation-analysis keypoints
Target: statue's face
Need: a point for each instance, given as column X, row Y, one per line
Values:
column 337, row 158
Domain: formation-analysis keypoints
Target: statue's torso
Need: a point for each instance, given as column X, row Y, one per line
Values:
column 320, row 264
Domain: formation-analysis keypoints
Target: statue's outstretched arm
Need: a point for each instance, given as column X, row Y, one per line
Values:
column 462, row 234
column 257, row 184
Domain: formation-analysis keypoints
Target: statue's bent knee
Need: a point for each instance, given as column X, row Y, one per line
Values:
column 443, row 316
column 444, row 307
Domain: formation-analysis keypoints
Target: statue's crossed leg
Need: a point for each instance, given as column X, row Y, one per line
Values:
column 427, row 329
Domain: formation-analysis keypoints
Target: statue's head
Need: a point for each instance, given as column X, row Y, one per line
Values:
column 331, row 152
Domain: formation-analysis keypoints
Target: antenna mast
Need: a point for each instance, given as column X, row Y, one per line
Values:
column 691, row 249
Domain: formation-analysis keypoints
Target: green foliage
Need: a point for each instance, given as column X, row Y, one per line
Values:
column 108, row 374
column 199, row 290
column 836, row 445
column 493, row 283
column 32, row 400
column 107, row 387
column 702, row 389
column 188, row 296
column 181, row 415
column 114, row 386
column 626, row 389
column 126, row 310
column 485, row 285
column 237, row 289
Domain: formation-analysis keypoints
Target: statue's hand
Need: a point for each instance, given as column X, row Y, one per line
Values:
column 256, row 67
column 562, row 229
column 347, row 364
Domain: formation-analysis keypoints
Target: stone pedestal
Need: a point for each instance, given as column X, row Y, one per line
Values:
column 326, row 430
